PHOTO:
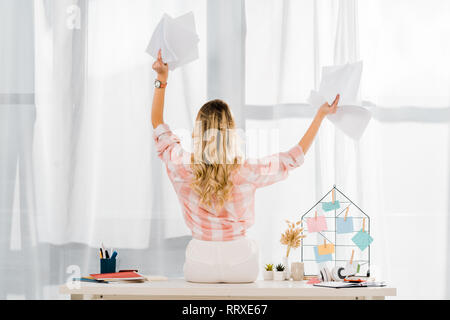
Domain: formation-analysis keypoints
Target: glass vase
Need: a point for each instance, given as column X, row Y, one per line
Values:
column 287, row 270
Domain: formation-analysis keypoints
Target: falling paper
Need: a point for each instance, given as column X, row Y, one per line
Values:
column 316, row 224
column 323, row 257
column 350, row 118
column 344, row 225
column 325, row 249
column 328, row 206
column 362, row 239
column 177, row 38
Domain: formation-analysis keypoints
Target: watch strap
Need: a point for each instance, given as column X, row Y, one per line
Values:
column 162, row 85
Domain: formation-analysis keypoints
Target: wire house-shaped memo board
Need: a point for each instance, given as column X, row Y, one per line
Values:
column 343, row 244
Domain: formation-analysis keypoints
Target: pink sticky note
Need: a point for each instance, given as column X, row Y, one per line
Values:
column 316, row 224
column 313, row 281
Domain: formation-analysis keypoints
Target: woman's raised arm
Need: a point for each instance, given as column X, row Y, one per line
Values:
column 162, row 71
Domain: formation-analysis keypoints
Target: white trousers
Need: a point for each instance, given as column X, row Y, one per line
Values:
column 221, row 261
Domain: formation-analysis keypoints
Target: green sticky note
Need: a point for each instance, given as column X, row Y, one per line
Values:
column 362, row 239
column 328, row 206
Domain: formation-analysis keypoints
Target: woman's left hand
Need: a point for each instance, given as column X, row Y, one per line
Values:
column 161, row 68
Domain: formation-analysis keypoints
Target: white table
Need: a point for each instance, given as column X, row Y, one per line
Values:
column 175, row 289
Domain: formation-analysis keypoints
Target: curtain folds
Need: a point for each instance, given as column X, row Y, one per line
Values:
column 93, row 143
column 77, row 160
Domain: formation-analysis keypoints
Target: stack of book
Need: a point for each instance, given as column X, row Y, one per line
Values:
column 129, row 276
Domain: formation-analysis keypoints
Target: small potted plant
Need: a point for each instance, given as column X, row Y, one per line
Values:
column 278, row 273
column 268, row 272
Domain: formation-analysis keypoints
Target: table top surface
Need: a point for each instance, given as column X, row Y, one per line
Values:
column 180, row 287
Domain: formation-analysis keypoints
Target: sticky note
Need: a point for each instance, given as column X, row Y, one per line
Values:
column 362, row 239
column 328, row 249
column 313, row 281
column 328, row 206
column 344, row 226
column 323, row 257
column 316, row 224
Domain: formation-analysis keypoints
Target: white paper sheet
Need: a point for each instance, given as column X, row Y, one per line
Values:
column 177, row 38
column 351, row 118
column 342, row 79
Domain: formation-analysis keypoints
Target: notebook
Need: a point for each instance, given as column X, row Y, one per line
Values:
column 338, row 284
column 118, row 276
column 90, row 279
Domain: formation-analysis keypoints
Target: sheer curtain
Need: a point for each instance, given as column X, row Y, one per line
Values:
column 78, row 165
column 93, row 141
column 398, row 173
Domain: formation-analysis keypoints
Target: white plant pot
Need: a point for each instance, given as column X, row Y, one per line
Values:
column 279, row 275
column 268, row 275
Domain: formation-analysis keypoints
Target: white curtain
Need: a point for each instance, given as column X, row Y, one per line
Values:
column 93, row 143
column 398, row 173
column 78, row 166
column 78, row 162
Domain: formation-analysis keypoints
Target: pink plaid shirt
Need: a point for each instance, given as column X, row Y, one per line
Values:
column 238, row 213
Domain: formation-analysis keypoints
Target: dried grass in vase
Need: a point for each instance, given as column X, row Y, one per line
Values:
column 292, row 236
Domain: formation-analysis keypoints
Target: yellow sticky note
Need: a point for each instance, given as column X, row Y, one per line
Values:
column 328, row 249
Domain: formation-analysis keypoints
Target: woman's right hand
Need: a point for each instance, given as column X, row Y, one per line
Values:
column 161, row 68
column 326, row 109
column 310, row 134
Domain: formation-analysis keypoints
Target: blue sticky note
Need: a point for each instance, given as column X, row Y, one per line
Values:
column 322, row 257
column 362, row 239
column 328, row 206
column 344, row 226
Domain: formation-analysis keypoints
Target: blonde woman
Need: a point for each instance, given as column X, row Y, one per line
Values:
column 216, row 187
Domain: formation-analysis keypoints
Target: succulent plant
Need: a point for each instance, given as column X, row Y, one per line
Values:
column 280, row 267
column 269, row 267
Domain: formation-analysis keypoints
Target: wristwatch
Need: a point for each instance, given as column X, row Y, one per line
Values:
column 159, row 84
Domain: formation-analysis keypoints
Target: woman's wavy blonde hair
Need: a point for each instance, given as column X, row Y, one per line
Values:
column 215, row 153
